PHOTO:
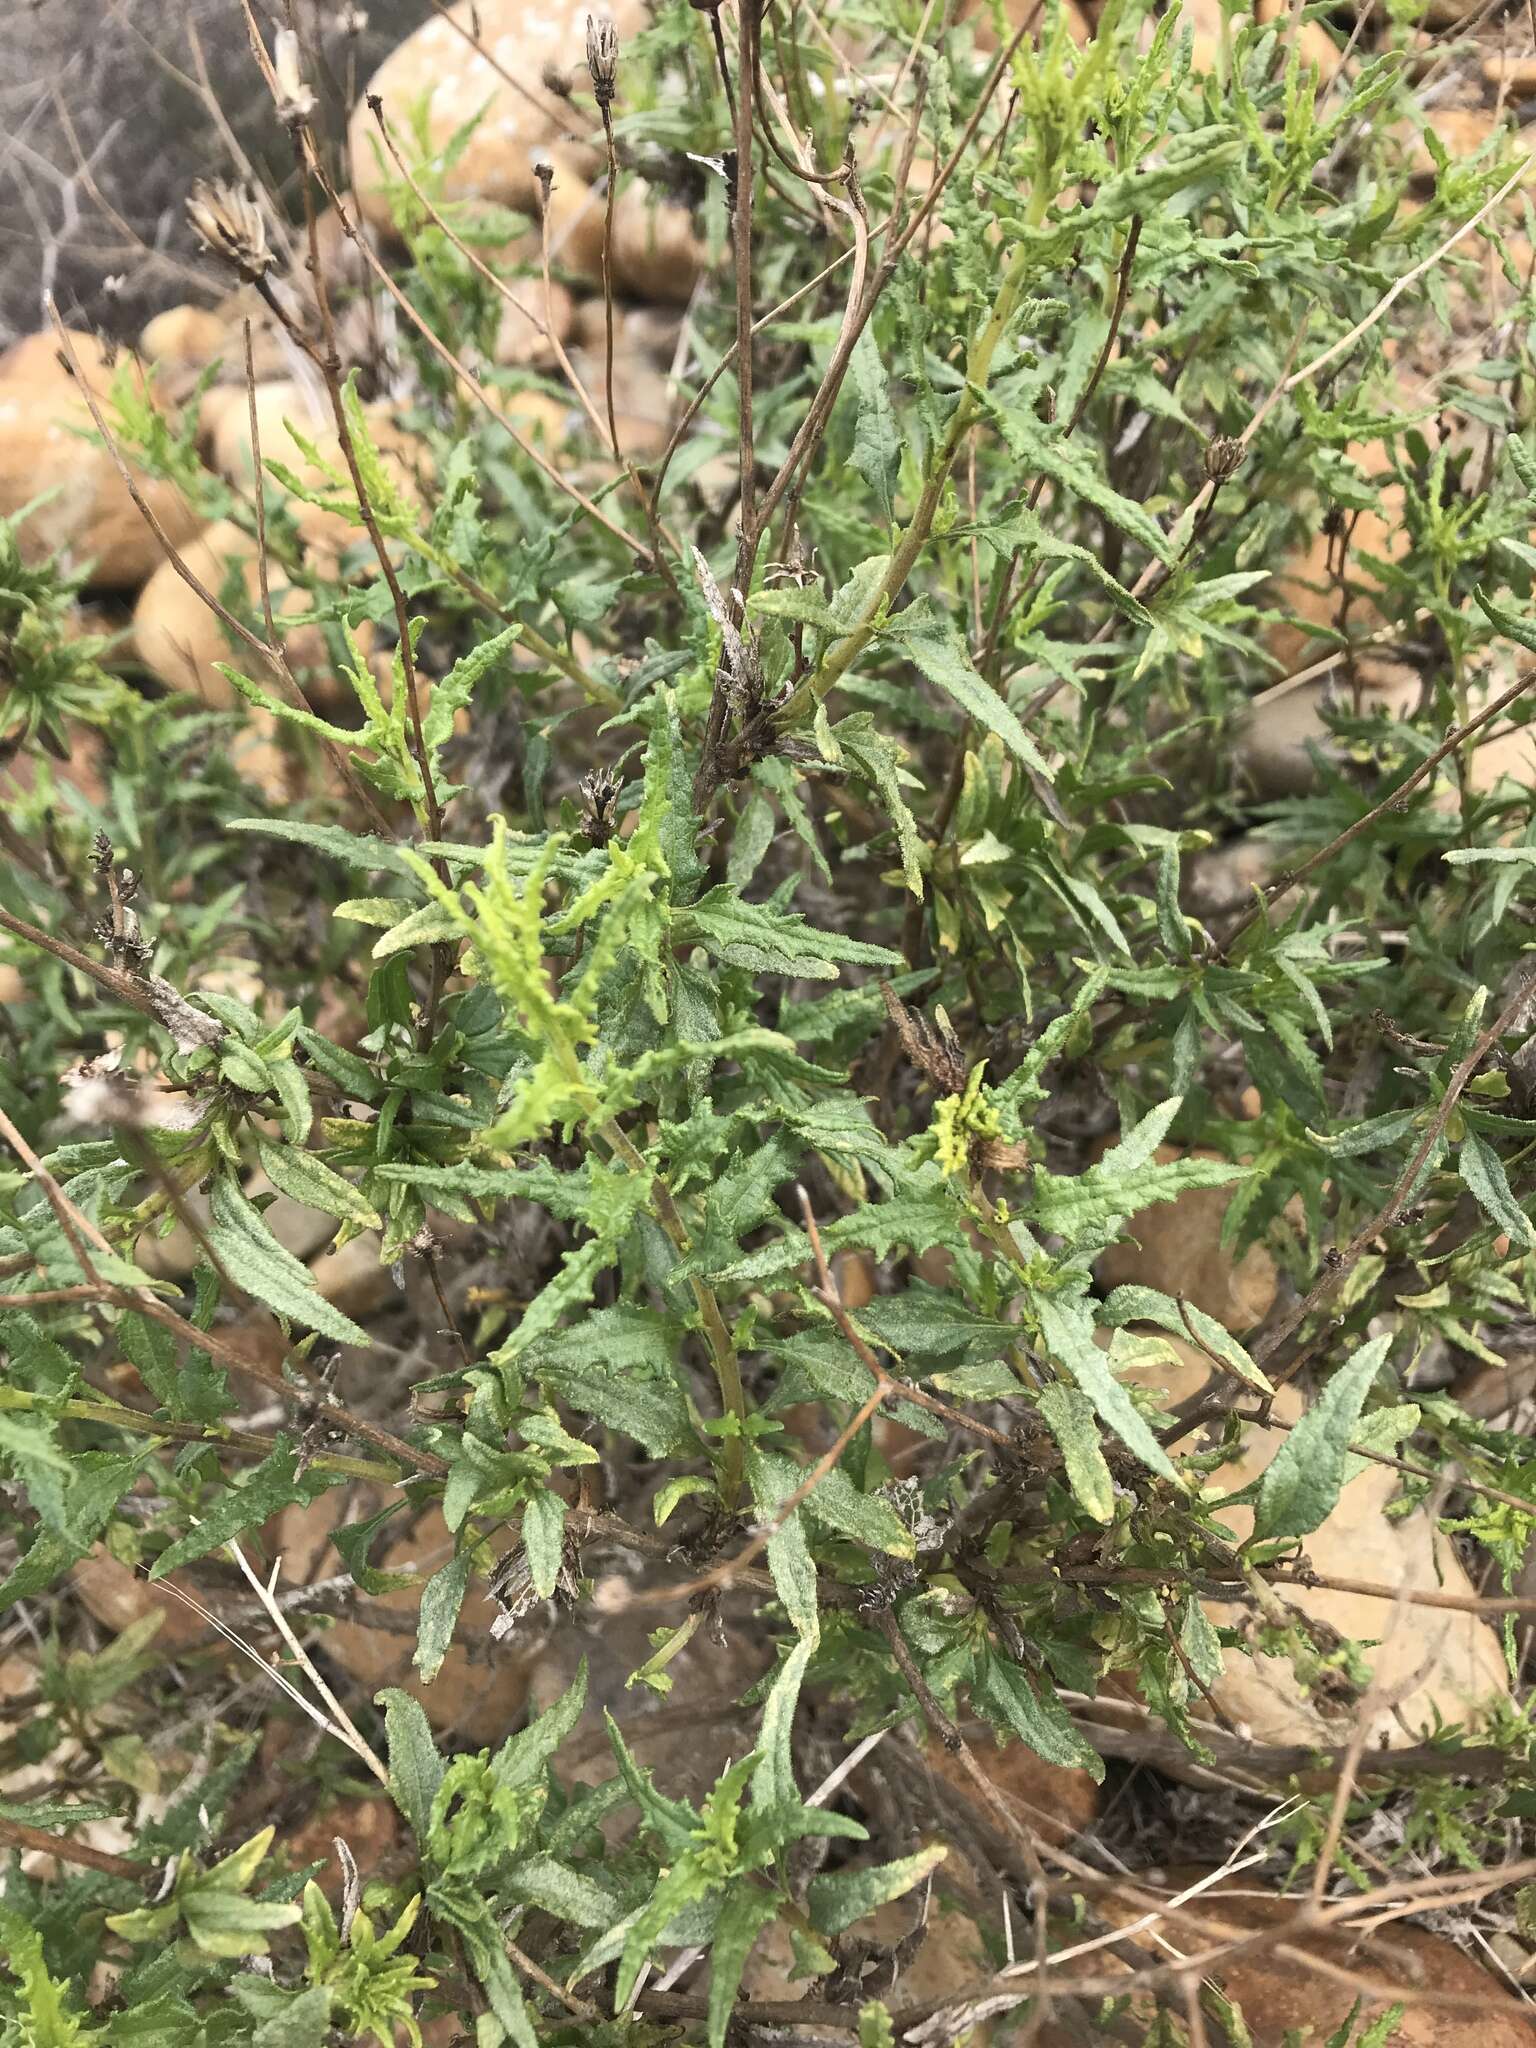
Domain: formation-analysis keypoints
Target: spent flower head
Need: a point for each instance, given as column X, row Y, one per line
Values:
column 602, row 58
column 1223, row 457
column 227, row 221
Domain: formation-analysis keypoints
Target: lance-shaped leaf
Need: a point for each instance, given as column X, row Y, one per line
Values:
column 1302, row 1485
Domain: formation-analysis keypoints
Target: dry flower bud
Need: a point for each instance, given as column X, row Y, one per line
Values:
column 295, row 102
column 602, row 58
column 228, row 223
column 544, row 171
column 1223, row 458
column 600, row 805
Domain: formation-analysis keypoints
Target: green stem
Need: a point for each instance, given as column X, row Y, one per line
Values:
column 679, row 1639
column 978, row 369
column 722, row 1352
column 597, row 693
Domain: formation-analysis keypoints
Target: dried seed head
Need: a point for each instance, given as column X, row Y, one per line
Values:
column 602, row 58
column 295, row 102
column 544, row 171
column 228, row 223
column 101, row 853
column 600, row 805
column 1223, row 457
column 556, row 81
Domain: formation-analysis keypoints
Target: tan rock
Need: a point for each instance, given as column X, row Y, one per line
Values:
column 1316, row 45
column 1279, row 1993
column 545, row 421
column 285, row 408
column 280, row 406
column 1431, row 1662
column 1515, row 75
column 1177, row 1247
column 479, row 1698
column 370, row 1828
column 1015, row 13
column 1461, row 133
column 1439, row 1661
column 443, row 65
column 523, row 336
column 180, row 640
column 185, row 336
column 657, row 254
column 642, row 400
column 118, row 1596
column 48, row 445
column 1276, row 740
column 647, row 332
column 1508, row 753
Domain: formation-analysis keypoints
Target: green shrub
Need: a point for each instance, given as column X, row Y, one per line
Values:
column 734, row 889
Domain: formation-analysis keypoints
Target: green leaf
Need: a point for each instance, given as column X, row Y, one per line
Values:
column 293, row 1093
column 1067, row 1337
column 99, row 1481
column 415, row 1768
column 351, row 847
column 837, row 1502
column 47, row 2020
column 1184, row 1319
column 276, row 1483
column 309, row 1180
column 544, row 1539
column 876, row 2027
column 744, row 1913
column 773, row 1479
column 617, row 1365
column 836, row 1900
column 938, row 650
column 441, row 1599
column 257, row 1262
column 54, row 1813
column 772, row 941
column 522, row 1758
column 226, row 1923
column 876, row 437
column 1037, row 1717
column 554, row 1887
column 1022, row 530
column 1044, row 452
column 453, row 693
column 1077, row 1206
column 1303, row 1482
column 1072, row 1421
column 429, row 924
column 1483, row 1171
